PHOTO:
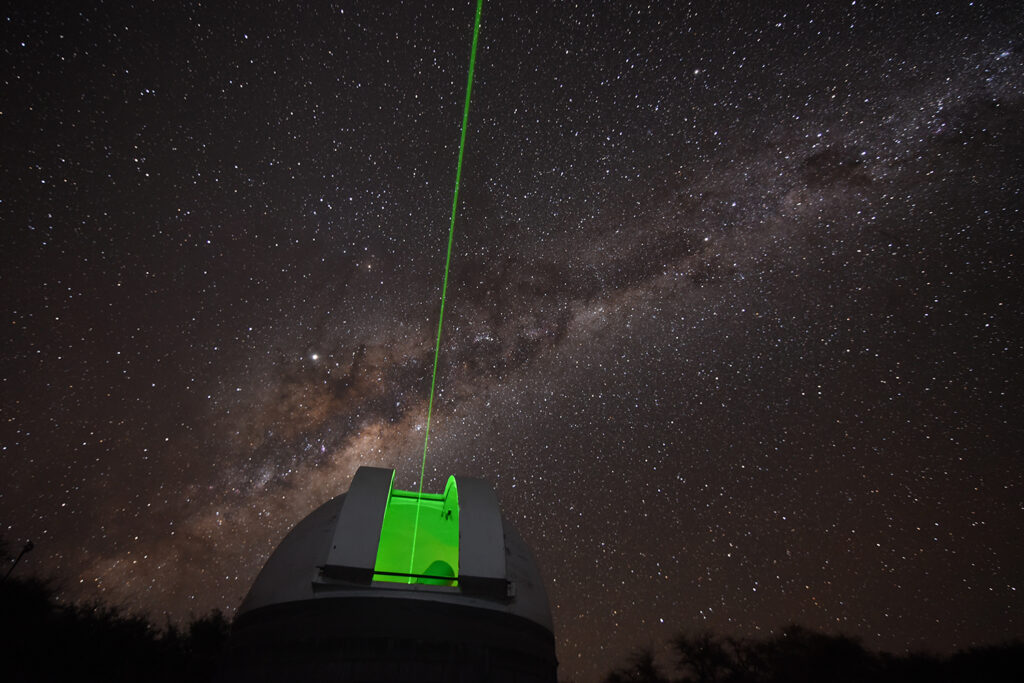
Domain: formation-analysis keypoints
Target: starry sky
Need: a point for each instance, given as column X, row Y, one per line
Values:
column 732, row 324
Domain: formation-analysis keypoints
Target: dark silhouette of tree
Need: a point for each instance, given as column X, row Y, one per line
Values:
column 915, row 667
column 1002, row 663
column 749, row 660
column 704, row 658
column 800, row 655
column 640, row 668
column 42, row 639
column 206, row 642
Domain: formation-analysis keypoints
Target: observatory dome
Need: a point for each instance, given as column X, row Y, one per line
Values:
column 380, row 584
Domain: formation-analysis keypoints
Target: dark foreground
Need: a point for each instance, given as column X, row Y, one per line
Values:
column 797, row 655
column 42, row 639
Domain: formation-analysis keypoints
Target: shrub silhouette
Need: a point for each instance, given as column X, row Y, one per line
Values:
column 42, row 639
column 639, row 669
column 801, row 655
column 705, row 658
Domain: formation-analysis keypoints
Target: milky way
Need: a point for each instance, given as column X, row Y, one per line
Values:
column 733, row 319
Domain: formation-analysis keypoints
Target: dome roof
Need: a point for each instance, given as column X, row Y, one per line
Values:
column 382, row 564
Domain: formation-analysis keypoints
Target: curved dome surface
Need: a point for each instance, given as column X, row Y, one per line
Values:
column 379, row 579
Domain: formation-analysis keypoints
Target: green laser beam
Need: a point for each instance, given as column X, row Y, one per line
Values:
column 444, row 284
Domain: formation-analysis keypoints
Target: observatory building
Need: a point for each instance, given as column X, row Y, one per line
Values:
column 379, row 584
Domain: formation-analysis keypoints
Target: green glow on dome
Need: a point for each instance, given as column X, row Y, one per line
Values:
column 436, row 533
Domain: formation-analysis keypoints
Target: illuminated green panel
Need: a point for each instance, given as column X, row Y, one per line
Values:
column 437, row 539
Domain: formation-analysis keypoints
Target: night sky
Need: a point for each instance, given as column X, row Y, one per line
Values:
column 733, row 323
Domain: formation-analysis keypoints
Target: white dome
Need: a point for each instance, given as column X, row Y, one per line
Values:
column 347, row 573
